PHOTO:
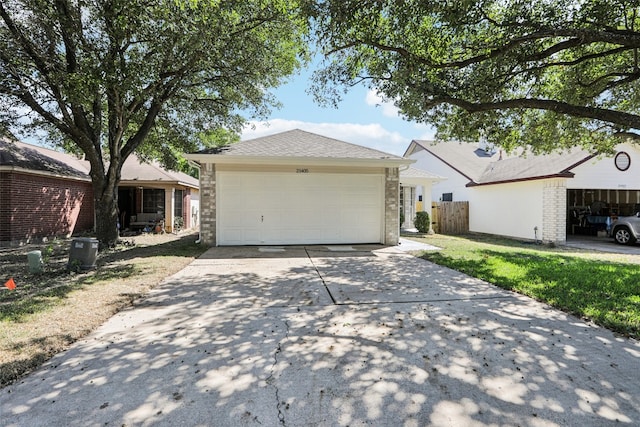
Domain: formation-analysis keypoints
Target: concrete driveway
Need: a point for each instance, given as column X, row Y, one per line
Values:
column 333, row 336
column 602, row 244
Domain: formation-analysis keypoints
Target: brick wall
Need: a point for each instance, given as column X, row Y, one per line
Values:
column 391, row 211
column 208, row 204
column 33, row 207
column 5, row 206
column 554, row 208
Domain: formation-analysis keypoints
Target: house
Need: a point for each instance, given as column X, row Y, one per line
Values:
column 542, row 197
column 297, row 187
column 46, row 193
column 149, row 193
column 42, row 193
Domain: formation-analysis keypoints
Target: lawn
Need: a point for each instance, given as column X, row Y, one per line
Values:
column 604, row 288
column 50, row 310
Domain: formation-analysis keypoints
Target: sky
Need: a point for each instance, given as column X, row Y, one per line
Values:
column 361, row 118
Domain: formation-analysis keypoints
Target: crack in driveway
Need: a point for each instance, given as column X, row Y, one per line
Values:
column 270, row 380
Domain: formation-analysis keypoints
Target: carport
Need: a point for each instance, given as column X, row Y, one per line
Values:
column 592, row 210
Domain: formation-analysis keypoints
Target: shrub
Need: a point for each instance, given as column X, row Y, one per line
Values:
column 422, row 221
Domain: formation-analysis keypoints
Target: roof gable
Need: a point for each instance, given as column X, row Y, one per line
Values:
column 299, row 144
column 468, row 159
column 483, row 167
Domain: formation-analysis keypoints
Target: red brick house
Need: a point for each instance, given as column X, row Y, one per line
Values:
column 45, row 193
column 149, row 191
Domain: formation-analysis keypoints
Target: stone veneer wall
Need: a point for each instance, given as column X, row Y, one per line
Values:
column 391, row 203
column 208, row 204
column 554, row 207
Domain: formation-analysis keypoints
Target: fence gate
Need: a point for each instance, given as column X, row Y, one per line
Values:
column 450, row 217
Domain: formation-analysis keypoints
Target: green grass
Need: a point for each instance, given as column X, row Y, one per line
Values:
column 604, row 288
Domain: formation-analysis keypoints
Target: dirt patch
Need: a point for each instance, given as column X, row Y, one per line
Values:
column 49, row 310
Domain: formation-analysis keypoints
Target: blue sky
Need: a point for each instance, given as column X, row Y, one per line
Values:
column 361, row 118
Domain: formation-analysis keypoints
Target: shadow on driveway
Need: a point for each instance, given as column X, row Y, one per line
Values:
column 312, row 336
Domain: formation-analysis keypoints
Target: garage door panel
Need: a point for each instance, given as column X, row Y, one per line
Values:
column 278, row 208
column 239, row 236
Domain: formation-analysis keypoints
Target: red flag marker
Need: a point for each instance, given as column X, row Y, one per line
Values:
column 10, row 284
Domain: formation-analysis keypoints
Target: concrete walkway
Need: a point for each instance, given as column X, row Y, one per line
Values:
column 333, row 336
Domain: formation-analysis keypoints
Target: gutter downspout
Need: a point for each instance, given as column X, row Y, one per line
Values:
column 197, row 166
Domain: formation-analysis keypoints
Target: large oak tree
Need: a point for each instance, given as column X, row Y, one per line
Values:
column 542, row 74
column 108, row 78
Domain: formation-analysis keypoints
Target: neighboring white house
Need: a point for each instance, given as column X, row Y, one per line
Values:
column 543, row 197
column 297, row 187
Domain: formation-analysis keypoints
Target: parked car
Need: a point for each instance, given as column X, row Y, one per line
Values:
column 626, row 229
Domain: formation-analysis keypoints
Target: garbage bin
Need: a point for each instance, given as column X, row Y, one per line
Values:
column 83, row 253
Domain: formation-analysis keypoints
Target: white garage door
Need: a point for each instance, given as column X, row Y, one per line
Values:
column 302, row 208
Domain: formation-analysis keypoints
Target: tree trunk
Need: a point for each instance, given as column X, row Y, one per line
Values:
column 106, row 208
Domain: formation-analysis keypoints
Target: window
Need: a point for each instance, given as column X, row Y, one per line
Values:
column 447, row 197
column 622, row 161
column 153, row 200
column 177, row 203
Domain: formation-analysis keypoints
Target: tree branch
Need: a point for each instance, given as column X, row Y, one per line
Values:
column 67, row 25
column 578, row 38
column 623, row 78
column 620, row 118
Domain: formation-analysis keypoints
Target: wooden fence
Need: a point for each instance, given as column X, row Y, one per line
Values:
column 450, row 217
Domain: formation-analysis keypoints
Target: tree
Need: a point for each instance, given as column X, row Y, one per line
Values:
column 545, row 75
column 108, row 78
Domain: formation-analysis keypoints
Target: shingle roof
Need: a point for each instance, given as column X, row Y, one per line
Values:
column 412, row 172
column 489, row 167
column 16, row 154
column 135, row 170
column 468, row 159
column 530, row 167
column 299, row 143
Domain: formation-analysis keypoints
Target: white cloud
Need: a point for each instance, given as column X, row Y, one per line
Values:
column 374, row 99
column 426, row 132
column 371, row 135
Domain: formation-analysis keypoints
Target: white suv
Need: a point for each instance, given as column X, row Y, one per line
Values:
column 626, row 229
